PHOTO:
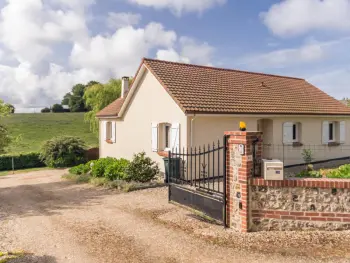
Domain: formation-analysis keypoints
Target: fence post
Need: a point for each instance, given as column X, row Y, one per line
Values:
column 239, row 167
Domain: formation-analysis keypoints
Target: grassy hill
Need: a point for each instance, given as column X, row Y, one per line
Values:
column 37, row 128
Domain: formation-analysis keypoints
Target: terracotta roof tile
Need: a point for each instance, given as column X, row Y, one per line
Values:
column 201, row 89
column 112, row 109
column 216, row 90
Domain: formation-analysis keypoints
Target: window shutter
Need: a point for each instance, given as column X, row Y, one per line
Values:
column 155, row 137
column 113, row 131
column 288, row 133
column 325, row 132
column 104, row 130
column 342, row 132
column 175, row 137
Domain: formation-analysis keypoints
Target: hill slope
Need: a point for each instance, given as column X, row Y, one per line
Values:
column 37, row 128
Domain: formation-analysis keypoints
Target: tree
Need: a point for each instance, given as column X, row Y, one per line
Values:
column 45, row 110
column 5, row 138
column 57, row 108
column 11, row 107
column 99, row 96
column 66, row 99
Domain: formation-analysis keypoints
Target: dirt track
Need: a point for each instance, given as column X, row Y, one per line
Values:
column 57, row 221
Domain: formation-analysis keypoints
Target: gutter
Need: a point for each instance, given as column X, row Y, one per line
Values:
column 192, row 120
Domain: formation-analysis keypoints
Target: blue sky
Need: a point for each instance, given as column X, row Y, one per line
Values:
column 46, row 46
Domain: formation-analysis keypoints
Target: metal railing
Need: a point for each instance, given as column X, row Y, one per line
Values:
column 200, row 167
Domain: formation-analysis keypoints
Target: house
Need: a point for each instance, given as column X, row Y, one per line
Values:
column 171, row 106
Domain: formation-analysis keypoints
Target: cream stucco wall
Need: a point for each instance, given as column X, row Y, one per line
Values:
column 206, row 129
column 150, row 103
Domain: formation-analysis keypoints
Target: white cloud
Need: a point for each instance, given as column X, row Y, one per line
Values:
column 171, row 55
column 295, row 17
column 285, row 57
column 180, row 6
column 190, row 52
column 334, row 82
column 118, row 20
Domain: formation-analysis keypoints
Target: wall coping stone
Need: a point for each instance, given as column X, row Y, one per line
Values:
column 303, row 182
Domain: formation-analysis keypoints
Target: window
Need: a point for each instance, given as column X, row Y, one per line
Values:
column 333, row 132
column 165, row 137
column 295, row 133
column 109, row 132
column 291, row 132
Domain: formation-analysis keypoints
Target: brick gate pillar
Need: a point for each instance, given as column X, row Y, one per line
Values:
column 239, row 165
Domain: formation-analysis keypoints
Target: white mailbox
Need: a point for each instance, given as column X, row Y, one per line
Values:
column 272, row 169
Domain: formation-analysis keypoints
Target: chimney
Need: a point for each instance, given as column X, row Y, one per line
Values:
column 125, row 86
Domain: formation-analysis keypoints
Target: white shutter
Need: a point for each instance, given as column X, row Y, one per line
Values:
column 155, row 137
column 175, row 137
column 288, row 133
column 342, row 132
column 325, row 132
column 104, row 130
column 113, row 123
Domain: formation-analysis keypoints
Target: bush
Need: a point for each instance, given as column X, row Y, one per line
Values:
column 63, row 151
column 342, row 172
column 45, row 110
column 307, row 156
column 21, row 161
column 57, row 108
column 142, row 169
column 117, row 170
column 308, row 174
column 80, row 169
column 99, row 167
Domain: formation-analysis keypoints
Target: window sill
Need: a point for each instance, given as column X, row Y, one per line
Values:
column 297, row 144
column 109, row 141
column 333, row 144
column 163, row 153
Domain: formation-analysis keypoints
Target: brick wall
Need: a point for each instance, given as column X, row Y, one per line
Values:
column 254, row 204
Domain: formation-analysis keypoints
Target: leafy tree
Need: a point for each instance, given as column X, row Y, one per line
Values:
column 57, row 108
column 45, row 110
column 91, row 83
column 78, row 90
column 76, row 104
column 11, row 107
column 99, row 96
column 66, row 99
column 5, row 138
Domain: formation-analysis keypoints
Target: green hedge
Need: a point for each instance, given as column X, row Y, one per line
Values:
column 21, row 161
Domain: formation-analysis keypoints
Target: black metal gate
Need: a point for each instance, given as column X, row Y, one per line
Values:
column 197, row 178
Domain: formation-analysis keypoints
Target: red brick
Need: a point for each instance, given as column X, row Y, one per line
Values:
column 282, row 213
column 304, row 218
column 318, row 218
column 311, row 214
column 328, row 214
column 297, row 213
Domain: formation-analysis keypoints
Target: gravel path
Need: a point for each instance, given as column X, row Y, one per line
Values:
column 56, row 221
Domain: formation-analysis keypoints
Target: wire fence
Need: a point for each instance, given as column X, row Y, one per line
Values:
column 294, row 154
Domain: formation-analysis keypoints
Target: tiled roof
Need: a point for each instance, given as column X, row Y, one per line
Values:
column 201, row 89
column 112, row 109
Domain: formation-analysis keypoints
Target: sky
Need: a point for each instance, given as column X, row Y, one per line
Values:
column 47, row 46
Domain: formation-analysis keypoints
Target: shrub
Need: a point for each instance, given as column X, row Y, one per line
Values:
column 99, row 167
column 142, row 169
column 57, row 108
column 21, row 161
column 79, row 179
column 307, row 156
column 80, row 169
column 312, row 174
column 63, row 151
column 117, row 170
column 342, row 172
column 45, row 110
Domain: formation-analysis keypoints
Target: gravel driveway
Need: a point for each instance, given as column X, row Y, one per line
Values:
column 56, row 221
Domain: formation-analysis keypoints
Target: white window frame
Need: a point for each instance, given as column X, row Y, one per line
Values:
column 169, row 136
column 333, row 123
column 297, row 126
column 109, row 130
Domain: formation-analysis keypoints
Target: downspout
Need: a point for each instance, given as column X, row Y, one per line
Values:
column 192, row 129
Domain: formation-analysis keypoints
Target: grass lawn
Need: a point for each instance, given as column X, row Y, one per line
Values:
column 39, row 127
column 4, row 173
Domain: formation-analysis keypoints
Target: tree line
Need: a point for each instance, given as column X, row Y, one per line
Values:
column 89, row 98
